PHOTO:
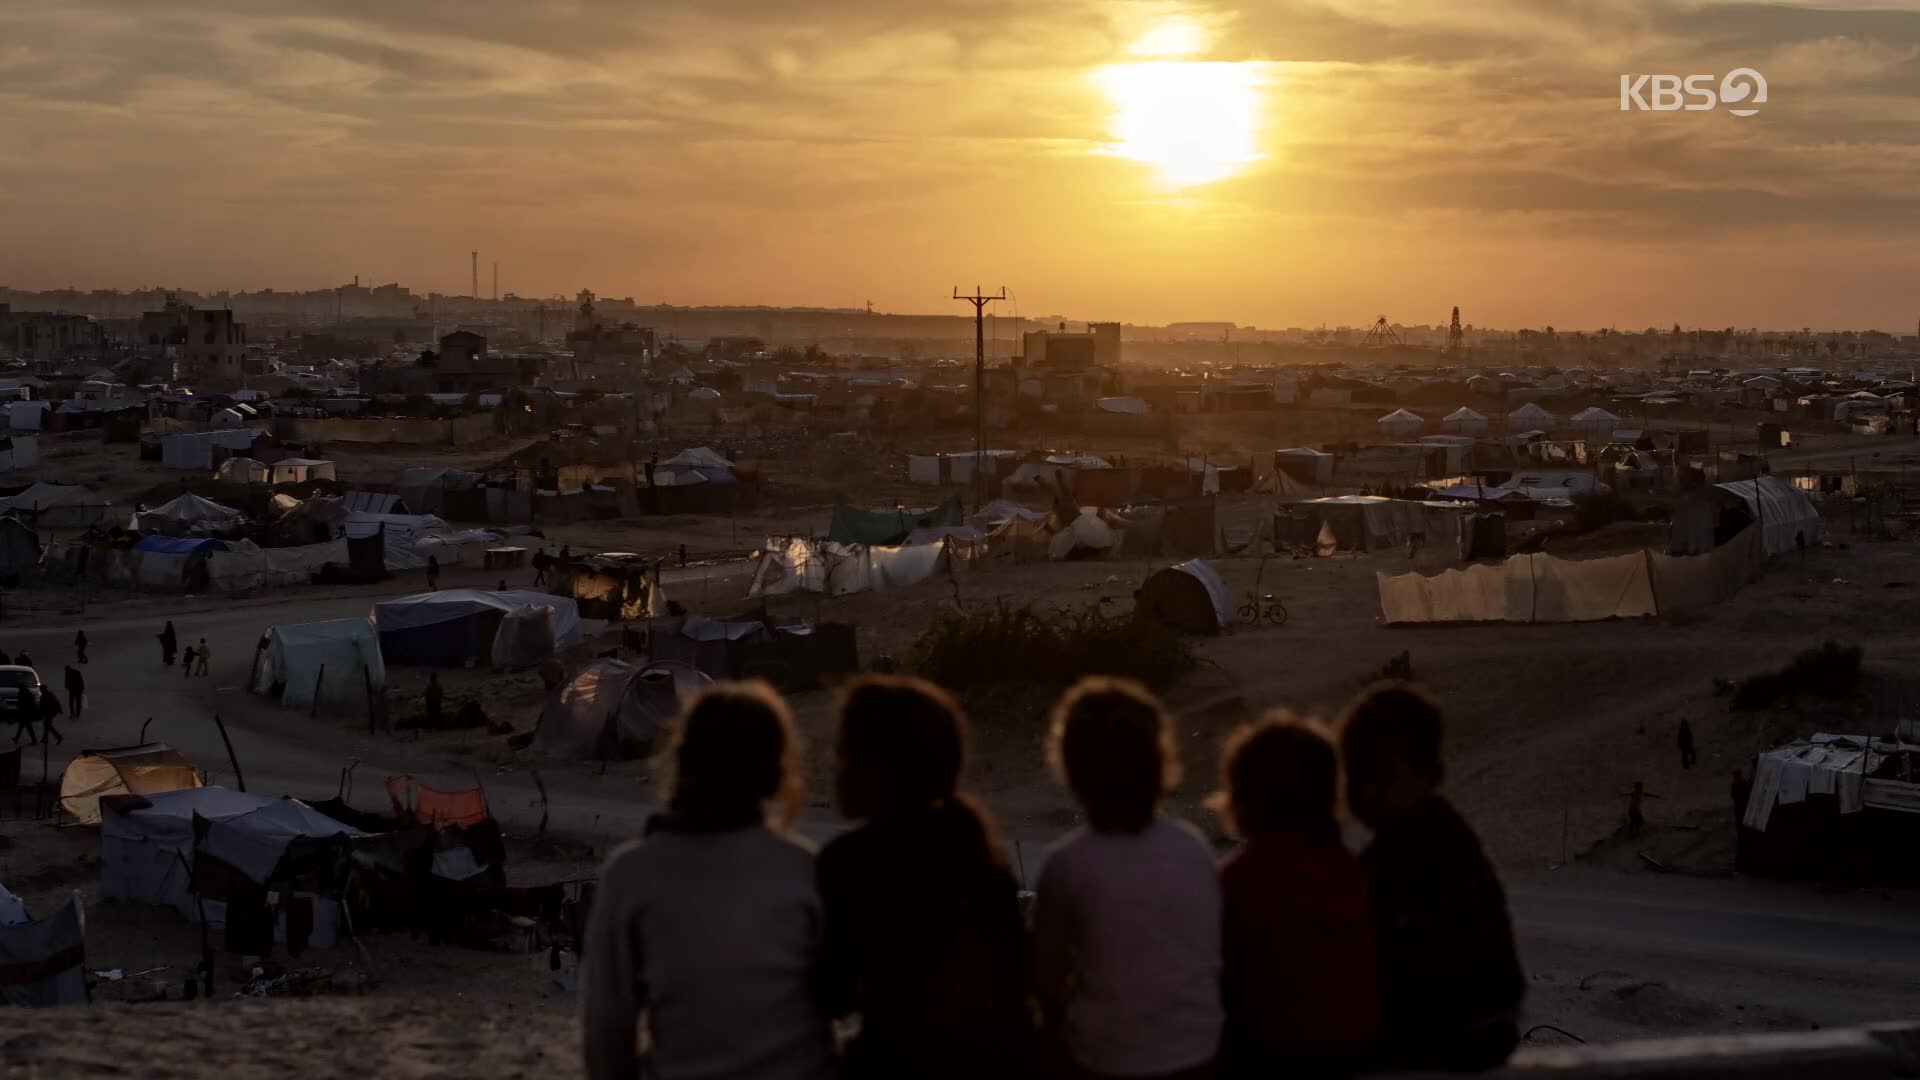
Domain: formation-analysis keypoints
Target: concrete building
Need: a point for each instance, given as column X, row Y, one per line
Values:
column 464, row 366
column 1099, row 346
column 46, row 335
column 205, row 341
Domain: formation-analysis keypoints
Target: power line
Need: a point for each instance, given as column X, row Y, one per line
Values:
column 979, row 300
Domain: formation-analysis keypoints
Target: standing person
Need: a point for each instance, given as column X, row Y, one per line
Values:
column 80, row 645
column 23, row 659
column 924, row 938
column 186, row 662
column 1450, row 978
column 202, row 654
column 1685, row 735
column 434, row 696
column 1300, row 981
column 1636, row 807
column 433, row 573
column 168, row 644
column 540, row 563
column 76, row 691
column 49, row 708
column 26, row 706
column 709, row 924
column 1126, row 917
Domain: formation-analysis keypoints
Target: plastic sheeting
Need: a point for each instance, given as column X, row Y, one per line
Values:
column 1788, row 516
column 1541, row 588
column 246, row 566
column 458, row 627
column 60, row 506
column 614, row 708
column 147, row 769
column 852, row 525
column 45, row 959
column 796, row 564
column 335, row 659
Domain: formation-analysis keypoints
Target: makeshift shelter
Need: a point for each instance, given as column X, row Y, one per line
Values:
column 1836, row 808
column 280, row 847
column 430, row 491
column 1306, row 465
column 1464, row 421
column 185, row 514
column 301, row 470
column 336, row 663
column 374, row 502
column 703, row 393
column 401, row 530
column 1789, row 518
column 243, row 470
column 174, row 562
column 613, row 709
column 1187, row 596
column 203, row 449
column 855, row 526
column 616, row 586
column 19, row 548
column 27, row 415
column 1400, row 422
column 1530, row 416
column 461, row 627
column 246, row 565
column 796, row 564
column 19, row 452
column 58, row 506
column 147, row 769
column 43, row 962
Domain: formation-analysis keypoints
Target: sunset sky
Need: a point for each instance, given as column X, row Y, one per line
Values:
column 1277, row 163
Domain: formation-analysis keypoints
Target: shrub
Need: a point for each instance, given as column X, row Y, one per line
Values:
column 1830, row 671
column 1004, row 644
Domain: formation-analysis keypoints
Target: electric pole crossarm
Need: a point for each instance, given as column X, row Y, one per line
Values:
column 979, row 300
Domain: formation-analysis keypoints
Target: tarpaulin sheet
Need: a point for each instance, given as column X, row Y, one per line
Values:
column 855, row 526
column 258, row 568
column 42, row 963
column 796, row 564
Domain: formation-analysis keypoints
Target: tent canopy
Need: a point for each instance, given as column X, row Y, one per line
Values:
column 1530, row 415
column 615, row 709
column 336, row 659
column 698, row 456
column 1463, row 413
column 852, row 525
column 456, row 627
column 1188, row 596
column 179, row 545
column 147, row 769
column 186, row 510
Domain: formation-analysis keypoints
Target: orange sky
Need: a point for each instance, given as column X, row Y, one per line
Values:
column 1341, row 159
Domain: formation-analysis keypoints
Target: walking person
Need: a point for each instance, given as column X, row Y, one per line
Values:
column 76, row 691
column 26, row 706
column 202, row 656
column 433, row 573
column 540, row 563
column 707, row 927
column 49, row 708
column 1636, row 801
column 186, row 662
column 80, row 645
column 1687, row 754
column 924, row 939
column 169, row 644
column 1126, row 916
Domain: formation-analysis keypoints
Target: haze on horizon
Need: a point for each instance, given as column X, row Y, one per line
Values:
column 1279, row 163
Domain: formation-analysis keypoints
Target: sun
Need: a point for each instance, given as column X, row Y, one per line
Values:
column 1193, row 121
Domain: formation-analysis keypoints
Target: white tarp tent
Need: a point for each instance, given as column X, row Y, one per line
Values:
column 184, row 514
column 338, row 660
column 1401, row 422
column 1595, row 419
column 302, row 470
column 147, row 769
column 19, row 452
column 1464, row 421
column 45, row 959
column 243, row 470
column 454, row 627
column 1789, row 519
column 145, row 850
column 194, row 449
column 797, row 564
column 1530, row 416
column 245, row 565
column 613, row 708
column 27, row 415
column 58, row 506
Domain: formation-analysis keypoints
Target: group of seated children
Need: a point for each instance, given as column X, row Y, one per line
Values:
column 750, row 958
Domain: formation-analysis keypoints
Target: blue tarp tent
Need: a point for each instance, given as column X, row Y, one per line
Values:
column 179, row 545
column 458, row 627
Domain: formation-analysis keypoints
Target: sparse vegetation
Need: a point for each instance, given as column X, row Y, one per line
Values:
column 1830, row 671
column 1008, row 645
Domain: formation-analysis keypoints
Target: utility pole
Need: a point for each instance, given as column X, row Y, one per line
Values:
column 979, row 300
column 496, row 282
column 476, row 276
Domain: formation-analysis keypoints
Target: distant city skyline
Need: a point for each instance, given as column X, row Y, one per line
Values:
column 1272, row 164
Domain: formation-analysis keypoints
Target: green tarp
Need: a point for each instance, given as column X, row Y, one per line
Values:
column 855, row 526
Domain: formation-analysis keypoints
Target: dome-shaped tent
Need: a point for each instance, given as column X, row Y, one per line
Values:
column 1530, row 416
column 1187, row 596
column 1401, row 422
column 615, row 709
column 1595, row 419
column 1464, row 421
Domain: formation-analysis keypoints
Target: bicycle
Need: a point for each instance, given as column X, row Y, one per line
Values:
column 1262, row 607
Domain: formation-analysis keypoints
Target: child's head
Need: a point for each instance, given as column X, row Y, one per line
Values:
column 734, row 752
column 1390, row 737
column 1278, row 774
column 901, row 746
column 1112, row 746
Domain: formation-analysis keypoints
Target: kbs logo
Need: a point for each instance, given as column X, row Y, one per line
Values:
column 1744, row 87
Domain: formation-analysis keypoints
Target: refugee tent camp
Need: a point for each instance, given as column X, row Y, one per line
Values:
column 147, row 846
column 613, row 709
column 336, row 661
column 185, row 514
column 1187, row 596
column 460, row 627
column 44, row 960
column 147, row 769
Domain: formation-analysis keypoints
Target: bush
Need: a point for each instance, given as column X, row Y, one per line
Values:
column 1830, row 671
column 1004, row 644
